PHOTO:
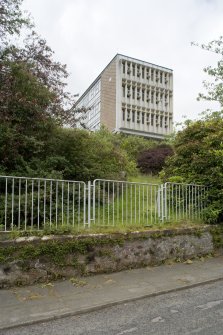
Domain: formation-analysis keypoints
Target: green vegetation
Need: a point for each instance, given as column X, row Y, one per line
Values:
column 198, row 159
column 35, row 107
column 152, row 160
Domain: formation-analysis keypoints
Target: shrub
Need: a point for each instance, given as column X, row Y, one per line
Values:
column 153, row 160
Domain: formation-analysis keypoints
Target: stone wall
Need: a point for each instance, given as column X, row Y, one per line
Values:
column 27, row 260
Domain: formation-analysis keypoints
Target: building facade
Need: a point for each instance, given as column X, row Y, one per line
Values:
column 130, row 96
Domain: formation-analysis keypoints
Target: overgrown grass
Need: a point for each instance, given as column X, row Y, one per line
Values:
column 119, row 207
column 94, row 229
column 143, row 178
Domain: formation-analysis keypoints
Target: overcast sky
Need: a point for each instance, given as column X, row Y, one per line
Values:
column 87, row 34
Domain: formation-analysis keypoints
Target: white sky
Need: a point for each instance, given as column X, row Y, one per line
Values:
column 87, row 34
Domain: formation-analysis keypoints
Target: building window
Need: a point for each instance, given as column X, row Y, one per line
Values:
column 157, row 120
column 123, row 114
column 133, row 116
column 123, row 67
column 147, row 118
column 138, row 71
column 147, row 96
column 133, row 69
column 143, row 94
column 147, row 74
column 152, row 119
column 138, row 117
column 143, row 117
column 128, row 91
column 161, row 77
column 166, row 123
column 161, row 121
column 157, row 76
column 123, row 91
column 152, row 75
column 161, row 97
column 133, row 92
column 152, row 97
column 128, row 115
column 143, row 72
column 138, row 93
column 128, row 69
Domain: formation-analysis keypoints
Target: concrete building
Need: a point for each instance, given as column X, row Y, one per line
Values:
column 130, row 96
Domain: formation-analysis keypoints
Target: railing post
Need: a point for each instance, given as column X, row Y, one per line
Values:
column 162, row 204
column 89, row 204
column 159, row 202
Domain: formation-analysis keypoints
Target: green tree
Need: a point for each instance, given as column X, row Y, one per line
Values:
column 214, row 89
column 198, row 158
column 12, row 19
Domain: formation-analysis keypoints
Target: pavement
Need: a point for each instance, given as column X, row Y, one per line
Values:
column 43, row 302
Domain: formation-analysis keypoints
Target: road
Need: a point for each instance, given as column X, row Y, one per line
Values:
column 191, row 311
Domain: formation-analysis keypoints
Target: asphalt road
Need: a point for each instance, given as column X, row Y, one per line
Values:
column 191, row 311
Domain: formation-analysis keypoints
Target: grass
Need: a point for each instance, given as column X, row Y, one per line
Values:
column 140, row 178
column 119, row 207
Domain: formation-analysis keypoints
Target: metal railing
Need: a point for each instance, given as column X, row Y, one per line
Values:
column 126, row 203
column 182, row 201
column 38, row 203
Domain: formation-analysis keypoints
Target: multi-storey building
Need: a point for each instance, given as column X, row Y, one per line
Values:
column 130, row 96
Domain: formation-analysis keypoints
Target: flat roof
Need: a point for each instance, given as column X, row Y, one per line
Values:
column 127, row 58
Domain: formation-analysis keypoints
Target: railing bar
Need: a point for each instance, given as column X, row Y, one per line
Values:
column 151, row 204
column 38, row 205
column 84, row 205
column 19, row 209
column 26, row 186
column 6, row 202
column 32, row 204
column 139, row 202
column 135, row 202
column 44, row 204
column 13, row 188
column 73, row 204
column 131, row 204
column 108, row 201
column 99, row 202
column 143, row 205
column 68, row 205
column 126, row 204
column 79, row 204
column 147, row 204
column 62, row 197
column 56, row 204
column 113, row 190
column 103, row 203
column 117, row 202
column 122, row 204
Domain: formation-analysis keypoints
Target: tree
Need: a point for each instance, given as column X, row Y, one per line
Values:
column 198, row 158
column 37, row 59
column 153, row 160
column 198, row 148
column 12, row 18
column 135, row 145
column 215, row 88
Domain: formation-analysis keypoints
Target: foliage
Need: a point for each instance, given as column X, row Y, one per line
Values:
column 11, row 18
column 198, row 158
column 215, row 88
column 153, row 160
column 134, row 145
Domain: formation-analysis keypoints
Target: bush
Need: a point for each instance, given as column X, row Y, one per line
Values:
column 153, row 160
column 198, row 159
